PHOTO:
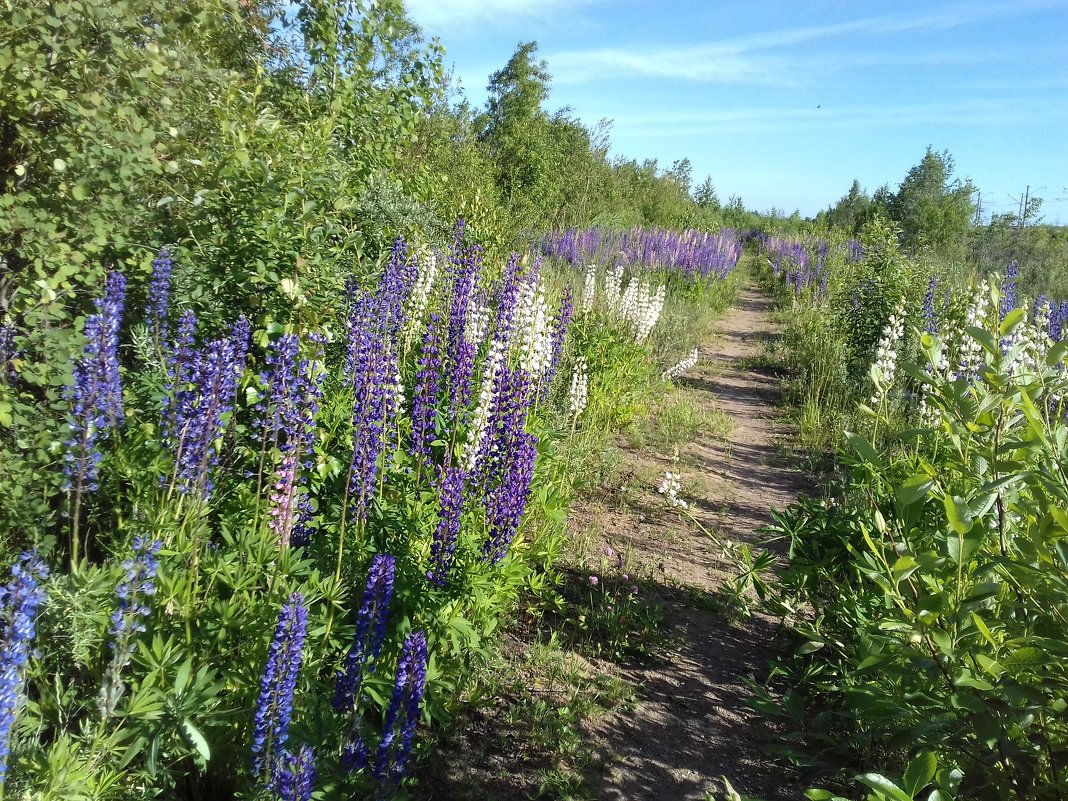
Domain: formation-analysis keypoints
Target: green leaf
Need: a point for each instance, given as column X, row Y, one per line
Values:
column 884, row 786
column 196, row 740
column 914, row 489
column 865, row 450
column 958, row 514
column 919, row 772
column 59, row 165
column 1012, row 321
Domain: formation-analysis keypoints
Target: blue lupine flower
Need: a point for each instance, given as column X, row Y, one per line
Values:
column 19, row 602
column 450, row 506
column 296, row 775
column 133, row 592
column 159, row 294
column 8, row 352
column 1009, row 299
column 371, row 620
column 204, row 389
column 96, row 394
column 372, row 376
column 930, row 318
column 275, row 707
column 563, row 320
column 426, row 395
column 403, row 714
column 294, row 389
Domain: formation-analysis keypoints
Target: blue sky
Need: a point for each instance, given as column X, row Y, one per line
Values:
column 785, row 103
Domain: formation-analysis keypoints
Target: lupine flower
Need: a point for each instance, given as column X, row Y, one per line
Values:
column 275, row 706
column 96, row 394
column 201, row 407
column 464, row 262
column 683, row 366
column 533, row 337
column 159, row 293
column 296, row 775
column 506, row 465
column 885, row 367
column 930, row 320
column 8, row 352
column 970, row 351
column 427, row 392
column 1009, row 300
column 427, row 269
column 19, row 602
column 294, row 390
column 450, row 506
column 563, row 320
column 578, row 393
column 133, row 592
column 372, row 376
column 371, row 620
column 589, row 288
column 402, row 716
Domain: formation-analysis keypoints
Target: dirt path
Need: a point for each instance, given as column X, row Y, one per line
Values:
column 691, row 725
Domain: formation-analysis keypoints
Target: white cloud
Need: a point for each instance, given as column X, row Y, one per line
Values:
column 774, row 57
column 829, row 119
column 438, row 15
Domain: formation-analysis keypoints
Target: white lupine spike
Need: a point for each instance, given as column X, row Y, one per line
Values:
column 613, row 289
column 589, row 289
column 533, row 339
column 971, row 352
column 578, row 394
column 478, row 320
column 424, row 284
column 886, row 352
column 684, row 365
column 480, row 420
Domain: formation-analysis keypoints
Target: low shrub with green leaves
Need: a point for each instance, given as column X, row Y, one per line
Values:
column 930, row 592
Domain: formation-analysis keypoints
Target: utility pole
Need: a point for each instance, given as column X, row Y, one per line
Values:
column 978, row 210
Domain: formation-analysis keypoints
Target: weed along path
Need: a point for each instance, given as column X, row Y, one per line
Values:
column 690, row 724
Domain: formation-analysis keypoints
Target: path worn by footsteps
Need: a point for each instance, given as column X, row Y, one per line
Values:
column 691, row 724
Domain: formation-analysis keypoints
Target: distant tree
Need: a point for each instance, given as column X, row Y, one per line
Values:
column 933, row 210
column 705, row 195
column 851, row 211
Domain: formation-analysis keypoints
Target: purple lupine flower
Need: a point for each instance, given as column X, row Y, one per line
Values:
column 8, row 352
column 930, row 319
column 133, row 592
column 96, row 394
column 274, row 709
column 202, row 406
column 371, row 620
column 402, row 716
column 464, row 263
column 1009, row 299
column 294, row 389
column 563, row 320
column 372, row 377
column 19, row 602
column 450, row 506
column 507, row 499
column 426, row 395
column 507, row 420
column 296, row 775
column 180, row 357
column 159, row 294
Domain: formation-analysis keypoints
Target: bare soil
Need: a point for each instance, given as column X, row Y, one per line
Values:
column 691, row 724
